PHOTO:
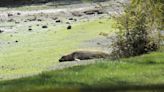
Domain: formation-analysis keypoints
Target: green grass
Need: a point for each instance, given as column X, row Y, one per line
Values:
column 145, row 72
column 41, row 48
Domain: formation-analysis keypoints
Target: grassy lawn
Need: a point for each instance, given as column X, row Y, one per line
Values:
column 37, row 50
column 145, row 72
column 26, row 56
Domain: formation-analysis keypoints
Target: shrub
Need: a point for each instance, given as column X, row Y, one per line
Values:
column 138, row 29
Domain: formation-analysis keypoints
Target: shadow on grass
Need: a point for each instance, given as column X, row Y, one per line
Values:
column 103, row 85
column 118, row 85
column 19, row 3
column 131, row 88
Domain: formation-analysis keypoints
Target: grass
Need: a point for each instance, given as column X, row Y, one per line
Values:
column 36, row 51
column 142, row 73
column 41, row 48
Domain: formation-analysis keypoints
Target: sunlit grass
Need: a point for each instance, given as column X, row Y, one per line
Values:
column 37, row 50
column 144, row 72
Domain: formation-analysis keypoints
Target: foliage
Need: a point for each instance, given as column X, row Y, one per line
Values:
column 138, row 29
column 162, row 11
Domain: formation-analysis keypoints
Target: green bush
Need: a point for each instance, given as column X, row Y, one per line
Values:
column 138, row 29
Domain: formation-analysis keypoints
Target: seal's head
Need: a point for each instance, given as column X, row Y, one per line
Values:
column 66, row 58
column 62, row 59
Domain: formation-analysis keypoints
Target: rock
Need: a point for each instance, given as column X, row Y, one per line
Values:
column 45, row 26
column 58, row 21
column 16, row 41
column 100, row 12
column 90, row 12
column 8, row 42
column 16, row 22
column 11, row 20
column 18, row 13
column 67, row 22
column 32, row 19
column 98, row 43
column 9, row 14
column 70, row 19
column 75, row 19
column 30, row 29
column 69, row 27
column 78, row 14
column 39, row 19
column 1, row 31
column 54, row 18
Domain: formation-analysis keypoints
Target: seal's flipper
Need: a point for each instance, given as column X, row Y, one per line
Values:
column 77, row 59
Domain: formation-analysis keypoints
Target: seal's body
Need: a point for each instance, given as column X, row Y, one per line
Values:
column 83, row 55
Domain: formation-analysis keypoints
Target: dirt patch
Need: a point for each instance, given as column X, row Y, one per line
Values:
column 100, row 43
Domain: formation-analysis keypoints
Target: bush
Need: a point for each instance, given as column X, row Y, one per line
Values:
column 138, row 29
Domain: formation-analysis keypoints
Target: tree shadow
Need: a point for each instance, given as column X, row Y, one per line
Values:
column 19, row 3
column 118, row 85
